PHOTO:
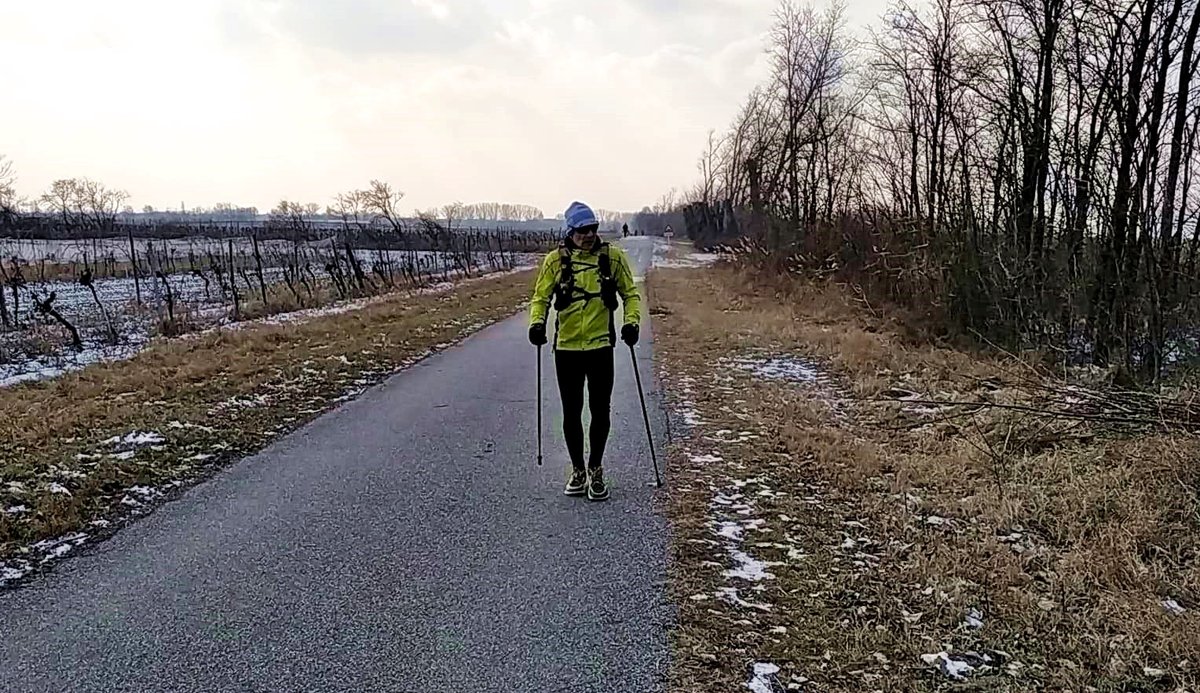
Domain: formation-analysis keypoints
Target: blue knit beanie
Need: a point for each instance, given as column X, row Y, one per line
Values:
column 579, row 215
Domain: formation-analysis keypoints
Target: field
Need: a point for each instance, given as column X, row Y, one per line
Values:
column 65, row 304
column 859, row 508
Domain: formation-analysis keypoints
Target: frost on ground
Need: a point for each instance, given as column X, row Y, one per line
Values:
column 39, row 554
column 136, row 335
column 961, row 665
column 992, row 549
column 765, row 678
column 241, row 402
column 746, row 540
column 676, row 256
column 789, row 368
column 136, row 439
column 687, row 262
column 48, row 367
column 794, row 370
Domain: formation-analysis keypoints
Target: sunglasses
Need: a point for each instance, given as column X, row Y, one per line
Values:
column 587, row 231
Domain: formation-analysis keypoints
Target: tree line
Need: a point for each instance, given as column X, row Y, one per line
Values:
column 1024, row 169
column 87, row 207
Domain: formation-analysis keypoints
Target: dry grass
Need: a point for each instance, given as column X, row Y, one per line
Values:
column 280, row 299
column 38, row 340
column 212, row 397
column 890, row 524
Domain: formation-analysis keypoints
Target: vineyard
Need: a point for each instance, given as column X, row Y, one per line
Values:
column 66, row 302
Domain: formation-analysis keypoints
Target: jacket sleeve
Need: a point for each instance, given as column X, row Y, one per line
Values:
column 628, row 289
column 543, row 289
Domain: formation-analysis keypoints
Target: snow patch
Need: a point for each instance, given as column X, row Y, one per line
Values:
column 13, row 572
column 728, row 437
column 52, row 549
column 950, row 667
column 731, row 530
column 749, row 568
column 730, row 596
column 240, row 402
column 765, row 679
column 794, row 370
column 58, row 551
column 129, row 444
column 685, row 260
column 789, row 368
column 959, row 665
column 137, row 439
column 1173, row 607
column 179, row 426
column 48, row 368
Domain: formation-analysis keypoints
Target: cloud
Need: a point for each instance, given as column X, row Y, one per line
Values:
column 250, row 101
column 362, row 27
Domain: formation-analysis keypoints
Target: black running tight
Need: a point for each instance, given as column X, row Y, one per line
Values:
column 573, row 368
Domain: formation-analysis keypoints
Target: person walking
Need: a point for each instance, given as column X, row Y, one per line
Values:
column 584, row 276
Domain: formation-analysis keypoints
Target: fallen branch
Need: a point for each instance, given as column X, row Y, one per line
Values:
column 1189, row 422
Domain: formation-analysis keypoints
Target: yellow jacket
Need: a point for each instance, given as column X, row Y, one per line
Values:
column 586, row 323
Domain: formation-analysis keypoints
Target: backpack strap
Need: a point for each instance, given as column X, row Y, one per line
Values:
column 608, row 285
column 566, row 293
column 605, row 262
column 564, row 290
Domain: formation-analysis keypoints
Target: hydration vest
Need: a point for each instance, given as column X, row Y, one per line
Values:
column 566, row 293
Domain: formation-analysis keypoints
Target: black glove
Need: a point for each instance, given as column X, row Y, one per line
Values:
column 629, row 334
column 537, row 334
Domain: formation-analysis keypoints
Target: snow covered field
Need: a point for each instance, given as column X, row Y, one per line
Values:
column 28, row 355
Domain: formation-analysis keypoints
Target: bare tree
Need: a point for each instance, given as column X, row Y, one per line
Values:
column 8, row 183
column 1023, row 167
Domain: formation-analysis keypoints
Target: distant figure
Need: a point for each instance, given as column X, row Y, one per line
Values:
column 625, row 230
column 583, row 278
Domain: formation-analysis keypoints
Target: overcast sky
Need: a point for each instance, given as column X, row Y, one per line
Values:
column 251, row 101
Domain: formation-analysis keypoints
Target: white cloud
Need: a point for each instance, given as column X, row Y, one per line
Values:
column 249, row 101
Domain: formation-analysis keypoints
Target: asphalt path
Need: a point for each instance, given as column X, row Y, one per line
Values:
column 406, row 541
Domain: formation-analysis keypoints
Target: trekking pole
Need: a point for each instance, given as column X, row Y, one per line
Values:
column 539, row 403
column 645, row 416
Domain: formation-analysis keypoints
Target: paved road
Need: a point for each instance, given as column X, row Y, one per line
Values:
column 404, row 542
